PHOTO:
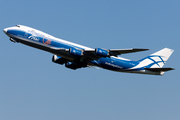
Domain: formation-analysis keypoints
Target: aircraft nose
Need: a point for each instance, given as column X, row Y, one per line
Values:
column 5, row 30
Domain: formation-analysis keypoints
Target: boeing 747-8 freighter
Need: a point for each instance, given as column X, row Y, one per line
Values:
column 76, row 56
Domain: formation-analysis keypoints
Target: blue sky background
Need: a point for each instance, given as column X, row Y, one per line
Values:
column 34, row 88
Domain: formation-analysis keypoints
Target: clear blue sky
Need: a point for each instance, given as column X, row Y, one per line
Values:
column 34, row 88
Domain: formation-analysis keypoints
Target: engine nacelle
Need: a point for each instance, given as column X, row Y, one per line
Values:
column 75, row 52
column 71, row 65
column 75, row 65
column 58, row 59
column 101, row 52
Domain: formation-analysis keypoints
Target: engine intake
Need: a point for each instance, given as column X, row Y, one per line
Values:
column 58, row 59
column 101, row 52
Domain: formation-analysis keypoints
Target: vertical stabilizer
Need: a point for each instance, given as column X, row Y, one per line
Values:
column 157, row 60
column 161, row 57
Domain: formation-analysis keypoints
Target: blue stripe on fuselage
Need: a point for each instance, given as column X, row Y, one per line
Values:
column 39, row 38
column 114, row 63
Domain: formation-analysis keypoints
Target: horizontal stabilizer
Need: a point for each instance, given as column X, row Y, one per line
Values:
column 159, row 69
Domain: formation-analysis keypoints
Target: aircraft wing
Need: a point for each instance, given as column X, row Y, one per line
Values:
column 111, row 52
column 80, row 57
column 124, row 51
column 115, row 52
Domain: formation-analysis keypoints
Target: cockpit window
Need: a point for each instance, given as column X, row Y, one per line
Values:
column 17, row 25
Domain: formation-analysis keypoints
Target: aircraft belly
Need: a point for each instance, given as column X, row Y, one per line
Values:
column 46, row 48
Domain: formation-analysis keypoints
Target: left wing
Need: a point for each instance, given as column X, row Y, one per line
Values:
column 115, row 52
column 81, row 58
column 97, row 53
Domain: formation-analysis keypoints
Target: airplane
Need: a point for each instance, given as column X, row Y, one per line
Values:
column 76, row 56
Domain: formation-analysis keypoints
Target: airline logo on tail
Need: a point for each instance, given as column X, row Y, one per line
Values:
column 155, row 60
column 159, row 58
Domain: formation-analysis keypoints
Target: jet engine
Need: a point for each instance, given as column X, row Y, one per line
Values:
column 75, row 65
column 58, row 59
column 75, row 52
column 71, row 65
column 101, row 52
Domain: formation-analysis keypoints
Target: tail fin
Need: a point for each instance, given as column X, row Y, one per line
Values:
column 156, row 60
